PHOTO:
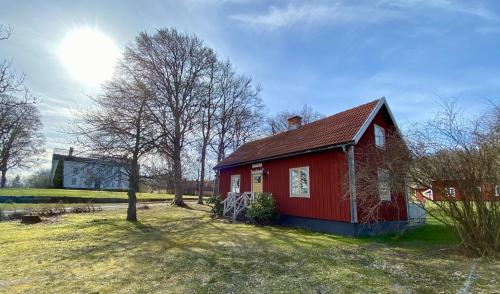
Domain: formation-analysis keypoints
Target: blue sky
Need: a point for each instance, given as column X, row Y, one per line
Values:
column 331, row 55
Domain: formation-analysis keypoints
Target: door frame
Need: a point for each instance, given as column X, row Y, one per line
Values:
column 261, row 172
column 231, row 183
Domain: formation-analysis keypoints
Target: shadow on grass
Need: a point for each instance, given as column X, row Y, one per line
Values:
column 204, row 255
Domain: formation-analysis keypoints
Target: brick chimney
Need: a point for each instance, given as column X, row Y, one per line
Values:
column 294, row 122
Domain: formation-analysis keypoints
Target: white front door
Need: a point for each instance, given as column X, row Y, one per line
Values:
column 235, row 183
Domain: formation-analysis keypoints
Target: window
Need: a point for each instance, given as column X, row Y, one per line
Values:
column 257, row 179
column 497, row 190
column 235, row 183
column 75, row 171
column 73, row 181
column 299, row 182
column 384, row 184
column 450, row 192
column 379, row 136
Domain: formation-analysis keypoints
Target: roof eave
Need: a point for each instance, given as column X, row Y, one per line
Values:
column 324, row 148
column 382, row 101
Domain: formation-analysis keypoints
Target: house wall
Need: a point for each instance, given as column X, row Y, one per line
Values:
column 83, row 175
column 439, row 191
column 328, row 199
column 393, row 210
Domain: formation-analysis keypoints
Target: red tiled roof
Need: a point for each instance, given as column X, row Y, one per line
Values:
column 333, row 130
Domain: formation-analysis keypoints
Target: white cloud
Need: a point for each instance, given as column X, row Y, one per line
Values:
column 314, row 14
column 340, row 12
column 452, row 6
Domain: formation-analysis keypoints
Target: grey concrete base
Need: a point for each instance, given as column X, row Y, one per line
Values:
column 343, row 228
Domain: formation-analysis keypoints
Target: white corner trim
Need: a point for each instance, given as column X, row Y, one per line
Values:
column 382, row 101
column 352, row 184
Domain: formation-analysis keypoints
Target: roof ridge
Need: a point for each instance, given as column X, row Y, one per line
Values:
column 321, row 119
column 340, row 127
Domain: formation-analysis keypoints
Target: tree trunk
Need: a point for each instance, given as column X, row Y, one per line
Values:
column 202, row 173
column 178, row 199
column 3, row 183
column 132, row 189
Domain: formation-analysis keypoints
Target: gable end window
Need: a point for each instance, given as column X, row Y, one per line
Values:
column 384, row 184
column 450, row 192
column 299, row 182
column 379, row 136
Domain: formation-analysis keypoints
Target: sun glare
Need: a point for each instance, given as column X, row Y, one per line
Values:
column 89, row 55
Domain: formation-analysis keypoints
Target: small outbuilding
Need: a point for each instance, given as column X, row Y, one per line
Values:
column 306, row 169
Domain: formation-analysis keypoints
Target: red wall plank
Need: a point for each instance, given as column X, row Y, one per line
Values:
column 328, row 189
column 396, row 208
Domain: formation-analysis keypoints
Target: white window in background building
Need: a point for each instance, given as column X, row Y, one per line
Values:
column 450, row 192
column 497, row 190
column 299, row 182
column 384, row 184
column 73, row 181
column 75, row 171
column 379, row 136
column 235, row 183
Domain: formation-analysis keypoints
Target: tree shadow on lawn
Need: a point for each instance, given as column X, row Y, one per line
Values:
column 228, row 252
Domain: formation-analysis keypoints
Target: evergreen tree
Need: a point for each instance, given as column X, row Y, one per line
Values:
column 58, row 180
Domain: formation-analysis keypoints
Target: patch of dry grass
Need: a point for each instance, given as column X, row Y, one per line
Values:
column 176, row 250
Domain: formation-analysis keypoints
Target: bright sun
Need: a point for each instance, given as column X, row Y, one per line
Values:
column 89, row 55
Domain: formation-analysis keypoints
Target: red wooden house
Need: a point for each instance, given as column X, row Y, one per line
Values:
column 306, row 168
column 447, row 190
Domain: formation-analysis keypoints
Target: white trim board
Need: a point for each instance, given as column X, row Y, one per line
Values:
column 382, row 101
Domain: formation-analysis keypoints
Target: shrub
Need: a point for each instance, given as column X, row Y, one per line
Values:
column 217, row 206
column 86, row 209
column 263, row 210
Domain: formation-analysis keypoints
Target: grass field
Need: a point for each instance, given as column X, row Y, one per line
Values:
column 179, row 250
column 81, row 193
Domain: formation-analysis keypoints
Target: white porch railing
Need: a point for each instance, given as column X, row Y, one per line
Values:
column 235, row 203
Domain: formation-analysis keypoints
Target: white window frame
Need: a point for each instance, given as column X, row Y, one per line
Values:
column 497, row 190
column 384, row 197
column 299, row 169
column 451, row 192
column 239, row 181
column 382, row 131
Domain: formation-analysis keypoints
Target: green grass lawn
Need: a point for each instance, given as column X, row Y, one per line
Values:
column 80, row 193
column 175, row 250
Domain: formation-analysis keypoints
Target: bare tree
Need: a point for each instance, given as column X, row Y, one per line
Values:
column 119, row 126
column 20, row 125
column 381, row 178
column 21, row 139
column 459, row 159
column 5, row 32
column 279, row 122
column 239, row 114
column 39, row 179
column 10, row 82
column 210, row 101
column 173, row 66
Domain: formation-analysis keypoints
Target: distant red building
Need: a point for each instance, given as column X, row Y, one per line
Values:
column 448, row 190
column 306, row 167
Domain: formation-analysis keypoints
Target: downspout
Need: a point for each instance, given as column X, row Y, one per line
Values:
column 352, row 181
